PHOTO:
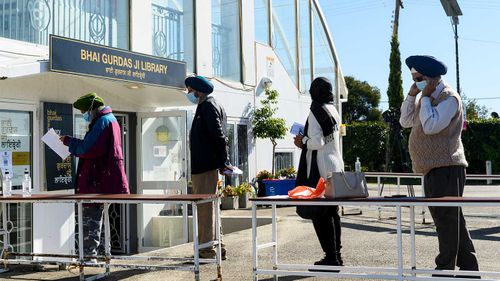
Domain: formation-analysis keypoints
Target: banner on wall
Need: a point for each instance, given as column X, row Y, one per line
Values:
column 59, row 173
column 84, row 58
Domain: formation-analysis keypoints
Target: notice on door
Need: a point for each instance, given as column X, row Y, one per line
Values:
column 58, row 172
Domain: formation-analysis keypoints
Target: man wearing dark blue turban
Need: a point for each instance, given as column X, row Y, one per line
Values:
column 435, row 114
column 209, row 153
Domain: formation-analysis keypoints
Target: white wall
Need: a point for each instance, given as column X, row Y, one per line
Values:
column 292, row 106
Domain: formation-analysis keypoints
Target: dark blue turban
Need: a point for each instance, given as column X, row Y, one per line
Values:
column 426, row 65
column 200, row 83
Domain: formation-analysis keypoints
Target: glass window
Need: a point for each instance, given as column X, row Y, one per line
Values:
column 173, row 30
column 261, row 19
column 324, row 63
column 284, row 35
column 16, row 144
column 161, row 149
column 103, row 22
column 226, row 57
column 283, row 160
column 238, row 151
column 305, row 45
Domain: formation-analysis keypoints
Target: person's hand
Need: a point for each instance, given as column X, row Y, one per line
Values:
column 430, row 87
column 61, row 138
column 413, row 90
column 297, row 140
column 223, row 171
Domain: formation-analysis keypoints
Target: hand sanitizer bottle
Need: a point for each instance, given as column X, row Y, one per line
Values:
column 357, row 165
column 26, row 183
column 7, row 185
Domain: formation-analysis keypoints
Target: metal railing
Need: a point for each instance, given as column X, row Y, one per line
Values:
column 33, row 20
column 167, row 33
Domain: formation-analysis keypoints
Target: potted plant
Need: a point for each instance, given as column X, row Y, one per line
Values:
column 229, row 199
column 244, row 191
column 279, row 184
column 261, row 176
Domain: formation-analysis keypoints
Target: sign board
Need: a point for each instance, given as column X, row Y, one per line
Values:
column 58, row 173
column 84, row 58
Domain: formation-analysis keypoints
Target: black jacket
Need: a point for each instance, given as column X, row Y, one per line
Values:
column 208, row 141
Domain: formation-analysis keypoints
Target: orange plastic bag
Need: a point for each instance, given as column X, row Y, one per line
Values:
column 306, row 192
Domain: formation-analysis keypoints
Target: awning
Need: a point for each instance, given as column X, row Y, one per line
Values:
column 28, row 78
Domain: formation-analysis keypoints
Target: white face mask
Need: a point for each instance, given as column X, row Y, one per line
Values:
column 421, row 85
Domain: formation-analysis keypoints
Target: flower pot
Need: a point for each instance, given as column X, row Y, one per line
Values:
column 229, row 203
column 244, row 200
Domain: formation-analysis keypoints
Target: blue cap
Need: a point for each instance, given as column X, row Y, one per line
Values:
column 426, row 65
column 200, row 83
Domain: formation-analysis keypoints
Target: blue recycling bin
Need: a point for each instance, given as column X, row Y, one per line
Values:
column 275, row 187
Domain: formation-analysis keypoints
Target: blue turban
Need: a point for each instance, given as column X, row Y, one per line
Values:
column 426, row 65
column 200, row 83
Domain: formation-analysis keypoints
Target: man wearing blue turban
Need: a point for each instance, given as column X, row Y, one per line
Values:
column 435, row 114
column 208, row 144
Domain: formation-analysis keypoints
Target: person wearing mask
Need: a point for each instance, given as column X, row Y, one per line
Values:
column 209, row 154
column 100, row 165
column 321, row 155
column 435, row 114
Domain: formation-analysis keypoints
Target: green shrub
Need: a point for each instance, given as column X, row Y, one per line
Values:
column 481, row 142
column 367, row 141
column 244, row 188
column 264, row 174
column 288, row 173
column 228, row 191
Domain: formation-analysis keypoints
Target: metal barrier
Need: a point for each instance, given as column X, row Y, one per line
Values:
column 400, row 272
column 80, row 261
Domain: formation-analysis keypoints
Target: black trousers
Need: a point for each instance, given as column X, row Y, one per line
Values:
column 328, row 231
column 455, row 243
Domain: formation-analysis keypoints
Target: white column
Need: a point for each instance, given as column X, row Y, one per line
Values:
column 141, row 26
column 203, row 37
column 247, row 42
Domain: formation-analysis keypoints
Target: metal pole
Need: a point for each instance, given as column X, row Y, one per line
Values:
column 196, row 242
column 254, row 240
column 455, row 22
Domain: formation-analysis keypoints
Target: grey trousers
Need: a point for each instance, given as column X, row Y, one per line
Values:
column 205, row 183
column 92, row 225
column 455, row 243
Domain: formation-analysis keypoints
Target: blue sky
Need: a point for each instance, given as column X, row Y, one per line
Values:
column 361, row 30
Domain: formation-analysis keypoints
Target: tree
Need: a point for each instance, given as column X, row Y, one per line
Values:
column 395, row 87
column 474, row 111
column 363, row 102
column 396, row 151
column 265, row 125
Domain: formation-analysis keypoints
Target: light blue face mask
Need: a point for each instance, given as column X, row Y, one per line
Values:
column 192, row 98
column 421, row 85
column 86, row 115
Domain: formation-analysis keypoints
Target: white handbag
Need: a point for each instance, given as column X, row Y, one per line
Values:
column 346, row 185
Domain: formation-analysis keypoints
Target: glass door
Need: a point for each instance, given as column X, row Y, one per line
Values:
column 162, row 170
column 17, row 153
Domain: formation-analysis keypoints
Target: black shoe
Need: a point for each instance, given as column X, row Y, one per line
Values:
column 443, row 275
column 468, row 276
column 328, row 262
column 211, row 253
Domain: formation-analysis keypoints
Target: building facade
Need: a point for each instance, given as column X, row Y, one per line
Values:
column 239, row 45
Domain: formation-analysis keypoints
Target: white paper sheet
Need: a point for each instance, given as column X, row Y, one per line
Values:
column 235, row 171
column 297, row 129
column 51, row 138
